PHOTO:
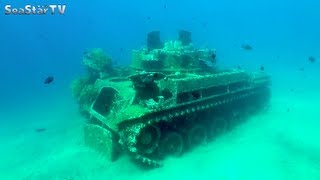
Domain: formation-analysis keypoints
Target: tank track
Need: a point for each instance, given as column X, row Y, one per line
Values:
column 131, row 135
column 150, row 158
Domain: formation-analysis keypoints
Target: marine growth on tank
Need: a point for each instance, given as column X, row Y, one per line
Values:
column 171, row 99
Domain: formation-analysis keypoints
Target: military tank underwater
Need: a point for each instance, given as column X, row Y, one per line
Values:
column 170, row 99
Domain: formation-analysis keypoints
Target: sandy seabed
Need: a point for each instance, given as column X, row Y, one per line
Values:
column 281, row 143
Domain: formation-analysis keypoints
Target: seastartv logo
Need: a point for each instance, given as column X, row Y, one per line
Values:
column 29, row 9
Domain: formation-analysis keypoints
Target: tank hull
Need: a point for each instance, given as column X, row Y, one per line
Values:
column 199, row 108
column 170, row 99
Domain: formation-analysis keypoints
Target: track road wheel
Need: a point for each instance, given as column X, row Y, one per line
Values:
column 217, row 126
column 148, row 139
column 171, row 144
column 196, row 135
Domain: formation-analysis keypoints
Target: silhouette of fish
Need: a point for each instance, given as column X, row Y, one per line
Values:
column 204, row 25
column 49, row 80
column 246, row 47
column 312, row 59
column 262, row 68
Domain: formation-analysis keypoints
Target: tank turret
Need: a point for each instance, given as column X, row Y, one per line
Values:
column 174, row 56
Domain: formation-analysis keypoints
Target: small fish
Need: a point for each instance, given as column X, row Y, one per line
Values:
column 311, row 59
column 148, row 18
column 43, row 36
column 246, row 47
column 239, row 67
column 49, row 80
column 40, row 130
column 262, row 68
column 165, row 6
column 204, row 25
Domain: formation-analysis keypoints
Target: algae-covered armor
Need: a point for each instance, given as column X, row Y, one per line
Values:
column 170, row 99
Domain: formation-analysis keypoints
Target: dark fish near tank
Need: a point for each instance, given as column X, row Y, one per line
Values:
column 311, row 59
column 40, row 130
column 246, row 47
column 49, row 80
column 262, row 68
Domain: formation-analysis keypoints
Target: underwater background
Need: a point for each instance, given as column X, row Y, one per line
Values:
column 282, row 143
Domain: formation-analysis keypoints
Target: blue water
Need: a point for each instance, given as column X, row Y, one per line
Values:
column 283, row 35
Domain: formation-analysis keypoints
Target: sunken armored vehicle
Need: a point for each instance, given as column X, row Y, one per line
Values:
column 170, row 99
